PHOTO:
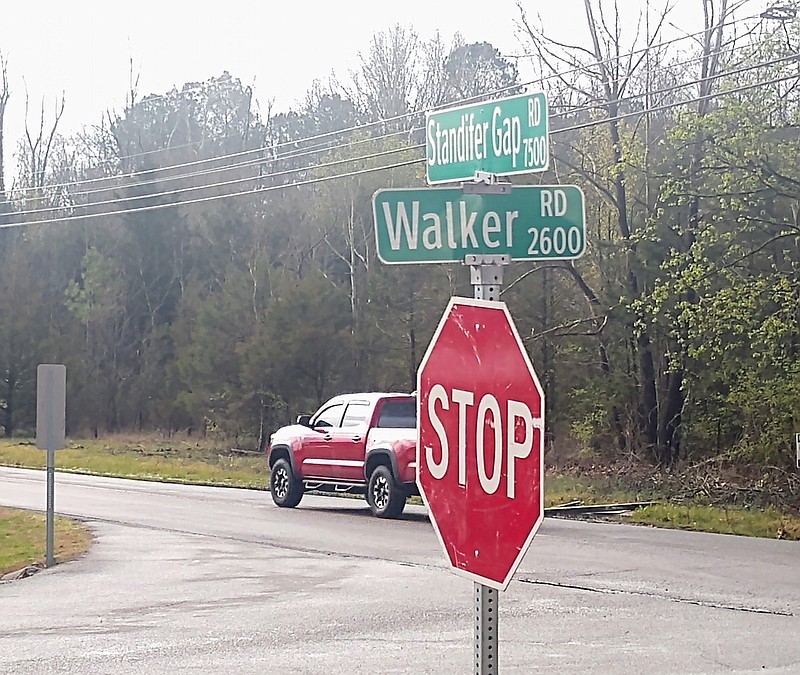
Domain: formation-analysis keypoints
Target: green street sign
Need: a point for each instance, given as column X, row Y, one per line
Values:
column 440, row 225
column 504, row 137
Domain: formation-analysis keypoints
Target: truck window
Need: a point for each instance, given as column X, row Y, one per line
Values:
column 398, row 415
column 356, row 414
column 329, row 417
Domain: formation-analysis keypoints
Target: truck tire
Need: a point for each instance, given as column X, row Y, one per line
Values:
column 286, row 488
column 385, row 499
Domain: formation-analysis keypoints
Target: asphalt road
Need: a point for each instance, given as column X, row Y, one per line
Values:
column 214, row 580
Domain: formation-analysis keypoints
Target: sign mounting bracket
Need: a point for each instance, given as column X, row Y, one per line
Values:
column 486, row 183
column 486, row 274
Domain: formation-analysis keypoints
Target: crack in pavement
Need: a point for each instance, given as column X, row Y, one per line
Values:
column 659, row 596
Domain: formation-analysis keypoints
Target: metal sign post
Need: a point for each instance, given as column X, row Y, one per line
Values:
column 486, row 277
column 486, row 601
column 476, row 351
column 51, row 388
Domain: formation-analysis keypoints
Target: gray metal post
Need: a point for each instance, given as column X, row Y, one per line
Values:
column 49, row 558
column 486, row 274
column 49, row 555
column 486, row 604
column 486, row 277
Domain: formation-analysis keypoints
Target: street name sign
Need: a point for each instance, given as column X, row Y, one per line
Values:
column 440, row 225
column 503, row 137
column 480, row 447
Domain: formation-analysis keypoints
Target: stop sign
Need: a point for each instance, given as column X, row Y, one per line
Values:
column 480, row 445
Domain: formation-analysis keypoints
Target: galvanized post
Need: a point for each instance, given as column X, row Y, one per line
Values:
column 49, row 558
column 486, row 273
column 486, row 277
column 486, row 605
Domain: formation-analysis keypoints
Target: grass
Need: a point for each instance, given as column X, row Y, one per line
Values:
column 177, row 461
column 23, row 539
column 752, row 523
column 184, row 460
column 563, row 489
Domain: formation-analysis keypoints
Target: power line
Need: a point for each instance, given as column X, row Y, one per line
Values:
column 258, row 161
column 311, row 181
column 220, row 184
column 331, row 136
column 235, row 181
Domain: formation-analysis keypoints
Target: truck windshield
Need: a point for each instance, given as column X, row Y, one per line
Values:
column 398, row 415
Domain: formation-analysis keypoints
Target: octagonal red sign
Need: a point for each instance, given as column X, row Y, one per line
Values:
column 480, row 446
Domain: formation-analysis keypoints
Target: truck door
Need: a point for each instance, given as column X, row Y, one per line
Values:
column 351, row 440
column 316, row 446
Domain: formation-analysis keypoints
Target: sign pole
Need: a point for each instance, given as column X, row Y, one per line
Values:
column 484, row 225
column 49, row 558
column 486, row 277
column 486, row 605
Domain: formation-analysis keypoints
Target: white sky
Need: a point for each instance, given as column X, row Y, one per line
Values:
column 84, row 48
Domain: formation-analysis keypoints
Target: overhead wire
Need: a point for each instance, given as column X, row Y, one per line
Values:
column 182, row 190
column 331, row 135
column 313, row 150
column 321, row 179
column 194, row 188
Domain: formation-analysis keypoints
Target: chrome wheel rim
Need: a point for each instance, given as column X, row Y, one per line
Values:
column 380, row 493
column 280, row 483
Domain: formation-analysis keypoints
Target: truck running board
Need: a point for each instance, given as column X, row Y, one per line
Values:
column 319, row 486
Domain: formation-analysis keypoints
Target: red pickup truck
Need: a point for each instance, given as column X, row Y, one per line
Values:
column 360, row 443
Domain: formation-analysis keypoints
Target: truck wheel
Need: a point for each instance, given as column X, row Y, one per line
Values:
column 285, row 487
column 385, row 499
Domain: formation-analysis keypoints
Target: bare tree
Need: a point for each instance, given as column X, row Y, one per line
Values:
column 385, row 84
column 5, row 93
column 38, row 144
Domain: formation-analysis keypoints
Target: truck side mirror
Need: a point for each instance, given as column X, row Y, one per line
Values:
column 305, row 420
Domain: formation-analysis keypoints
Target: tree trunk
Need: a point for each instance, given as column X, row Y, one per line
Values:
column 8, row 409
column 412, row 345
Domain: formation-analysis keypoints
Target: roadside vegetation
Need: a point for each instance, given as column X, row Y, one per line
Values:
column 146, row 459
column 23, row 539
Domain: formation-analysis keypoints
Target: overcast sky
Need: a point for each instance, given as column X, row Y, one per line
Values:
column 85, row 48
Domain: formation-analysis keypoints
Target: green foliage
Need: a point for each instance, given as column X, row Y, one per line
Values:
column 751, row 523
column 675, row 337
column 24, row 332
